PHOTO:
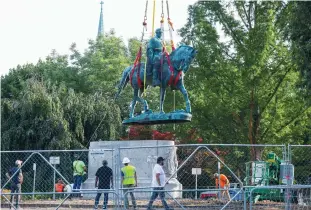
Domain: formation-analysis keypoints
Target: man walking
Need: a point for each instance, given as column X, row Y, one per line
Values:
column 16, row 176
column 79, row 169
column 128, row 180
column 158, row 183
column 223, row 184
column 102, row 181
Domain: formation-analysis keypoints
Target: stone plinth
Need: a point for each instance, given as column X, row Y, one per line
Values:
column 143, row 158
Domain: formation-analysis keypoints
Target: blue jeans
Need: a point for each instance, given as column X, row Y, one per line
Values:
column 105, row 200
column 77, row 180
column 155, row 195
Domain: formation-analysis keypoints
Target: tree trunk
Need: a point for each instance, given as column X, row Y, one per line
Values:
column 253, row 129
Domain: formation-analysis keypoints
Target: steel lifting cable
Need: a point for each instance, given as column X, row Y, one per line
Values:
column 141, row 41
column 171, row 29
column 162, row 21
column 170, row 26
column 153, row 16
column 145, row 17
column 137, row 63
column 163, row 46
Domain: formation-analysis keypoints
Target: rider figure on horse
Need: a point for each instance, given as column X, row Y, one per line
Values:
column 154, row 52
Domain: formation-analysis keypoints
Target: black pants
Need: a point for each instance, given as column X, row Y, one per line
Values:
column 16, row 188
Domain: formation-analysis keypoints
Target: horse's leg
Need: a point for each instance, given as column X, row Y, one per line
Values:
column 143, row 101
column 185, row 94
column 162, row 97
column 133, row 104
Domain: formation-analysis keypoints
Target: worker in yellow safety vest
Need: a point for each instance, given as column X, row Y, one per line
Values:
column 128, row 180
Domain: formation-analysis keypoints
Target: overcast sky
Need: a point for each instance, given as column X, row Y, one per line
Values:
column 30, row 29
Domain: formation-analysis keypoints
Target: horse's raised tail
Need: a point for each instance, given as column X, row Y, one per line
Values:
column 124, row 80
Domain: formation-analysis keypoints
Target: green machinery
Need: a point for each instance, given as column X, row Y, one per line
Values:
column 272, row 171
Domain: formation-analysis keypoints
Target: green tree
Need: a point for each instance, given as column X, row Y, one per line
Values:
column 243, row 86
column 51, row 117
column 296, row 17
column 34, row 120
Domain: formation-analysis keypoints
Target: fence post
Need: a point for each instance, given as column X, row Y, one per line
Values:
column 218, row 171
column 289, row 182
column 54, row 176
column 118, row 182
column 244, row 198
column 289, row 150
column 34, row 180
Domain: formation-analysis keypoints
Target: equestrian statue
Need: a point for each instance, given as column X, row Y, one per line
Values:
column 162, row 70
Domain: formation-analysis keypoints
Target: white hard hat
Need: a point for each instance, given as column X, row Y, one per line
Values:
column 125, row 160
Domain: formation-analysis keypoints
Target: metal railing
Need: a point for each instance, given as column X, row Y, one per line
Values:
column 228, row 159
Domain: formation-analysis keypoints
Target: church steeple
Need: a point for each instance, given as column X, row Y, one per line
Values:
column 101, row 21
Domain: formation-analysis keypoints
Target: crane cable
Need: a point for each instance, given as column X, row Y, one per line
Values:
column 170, row 26
column 171, row 29
column 153, row 16
column 162, row 23
column 141, row 43
column 163, row 48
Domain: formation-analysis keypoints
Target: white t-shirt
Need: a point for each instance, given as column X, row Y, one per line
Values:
column 158, row 170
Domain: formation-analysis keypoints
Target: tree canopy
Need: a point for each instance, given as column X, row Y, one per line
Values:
column 249, row 83
column 245, row 86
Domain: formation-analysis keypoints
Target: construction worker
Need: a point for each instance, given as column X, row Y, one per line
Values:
column 223, row 184
column 79, row 169
column 128, row 180
column 59, row 187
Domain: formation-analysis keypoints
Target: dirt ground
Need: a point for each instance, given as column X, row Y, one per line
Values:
column 142, row 204
column 190, row 204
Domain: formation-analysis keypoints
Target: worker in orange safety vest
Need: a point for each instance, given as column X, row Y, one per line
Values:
column 223, row 184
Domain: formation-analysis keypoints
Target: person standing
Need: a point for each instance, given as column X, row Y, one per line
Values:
column 158, row 183
column 222, row 184
column 16, row 176
column 79, row 169
column 102, row 181
column 128, row 180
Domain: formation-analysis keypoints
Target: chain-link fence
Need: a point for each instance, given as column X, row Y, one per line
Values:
column 43, row 170
column 301, row 159
column 280, row 197
column 190, row 170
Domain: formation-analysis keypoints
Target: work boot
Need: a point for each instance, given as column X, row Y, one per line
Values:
column 155, row 80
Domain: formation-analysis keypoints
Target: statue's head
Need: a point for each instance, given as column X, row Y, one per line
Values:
column 158, row 33
column 182, row 57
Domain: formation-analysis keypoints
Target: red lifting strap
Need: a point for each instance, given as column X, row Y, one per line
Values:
column 170, row 66
column 137, row 61
column 172, row 71
column 177, row 77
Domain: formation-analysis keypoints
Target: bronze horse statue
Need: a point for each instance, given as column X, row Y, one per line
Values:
column 171, row 70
